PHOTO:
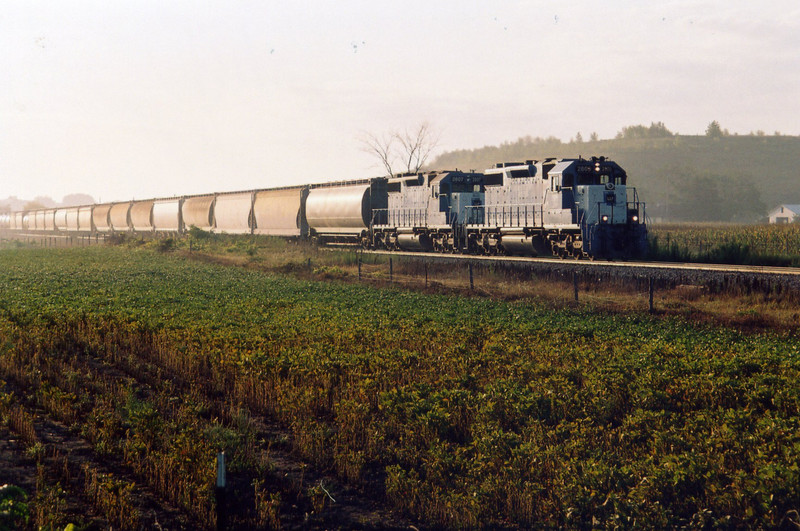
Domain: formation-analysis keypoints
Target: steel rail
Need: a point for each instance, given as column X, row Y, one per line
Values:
column 584, row 264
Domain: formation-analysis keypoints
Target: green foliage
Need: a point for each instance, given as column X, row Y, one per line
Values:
column 14, row 511
column 714, row 130
column 479, row 413
column 165, row 245
column 656, row 130
column 199, row 234
column 707, row 197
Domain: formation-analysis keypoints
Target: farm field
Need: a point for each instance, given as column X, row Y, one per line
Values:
column 126, row 370
column 726, row 243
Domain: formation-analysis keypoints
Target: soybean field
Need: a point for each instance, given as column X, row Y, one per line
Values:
column 125, row 371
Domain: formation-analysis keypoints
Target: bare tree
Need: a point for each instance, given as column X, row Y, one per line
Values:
column 411, row 149
column 418, row 146
column 380, row 147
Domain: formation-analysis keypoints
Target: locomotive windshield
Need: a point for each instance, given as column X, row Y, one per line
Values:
column 593, row 175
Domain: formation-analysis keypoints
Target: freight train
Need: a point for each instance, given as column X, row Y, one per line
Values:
column 578, row 208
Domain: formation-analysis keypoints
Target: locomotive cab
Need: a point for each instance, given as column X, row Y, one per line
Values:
column 606, row 209
column 600, row 194
column 457, row 197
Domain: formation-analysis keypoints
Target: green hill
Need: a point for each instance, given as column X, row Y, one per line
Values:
column 716, row 177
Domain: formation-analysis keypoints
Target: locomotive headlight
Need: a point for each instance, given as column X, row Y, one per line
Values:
column 604, row 218
column 634, row 218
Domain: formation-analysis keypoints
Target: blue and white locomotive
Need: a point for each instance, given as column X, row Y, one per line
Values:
column 567, row 208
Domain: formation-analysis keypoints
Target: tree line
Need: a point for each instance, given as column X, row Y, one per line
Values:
column 717, row 176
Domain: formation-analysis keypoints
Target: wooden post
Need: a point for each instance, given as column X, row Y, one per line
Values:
column 471, row 281
column 426, row 274
column 652, row 289
column 359, row 268
column 391, row 269
column 220, row 492
column 575, row 285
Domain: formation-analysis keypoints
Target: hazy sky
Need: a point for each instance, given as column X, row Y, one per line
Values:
column 123, row 99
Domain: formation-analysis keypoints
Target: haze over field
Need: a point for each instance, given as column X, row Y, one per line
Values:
column 145, row 99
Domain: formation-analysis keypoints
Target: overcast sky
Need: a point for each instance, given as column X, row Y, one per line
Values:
column 138, row 99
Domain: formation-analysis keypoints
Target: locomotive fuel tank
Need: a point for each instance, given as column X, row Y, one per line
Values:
column 414, row 242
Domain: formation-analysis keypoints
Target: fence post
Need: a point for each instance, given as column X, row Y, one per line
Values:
column 471, row 282
column 575, row 285
column 391, row 270
column 220, row 492
column 652, row 289
column 426, row 274
column 359, row 268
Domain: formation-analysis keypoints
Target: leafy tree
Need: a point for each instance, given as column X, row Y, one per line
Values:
column 656, row 130
column 33, row 205
column 714, row 130
column 711, row 197
column 77, row 200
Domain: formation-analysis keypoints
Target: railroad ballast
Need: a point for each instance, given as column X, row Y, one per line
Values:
column 564, row 207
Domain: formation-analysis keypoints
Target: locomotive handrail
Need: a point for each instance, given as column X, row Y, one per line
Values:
column 513, row 215
column 640, row 206
column 401, row 217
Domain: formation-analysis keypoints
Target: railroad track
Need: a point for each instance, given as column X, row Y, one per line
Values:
column 582, row 264
column 665, row 274
column 670, row 272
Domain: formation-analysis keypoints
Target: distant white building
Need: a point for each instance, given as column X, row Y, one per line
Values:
column 785, row 214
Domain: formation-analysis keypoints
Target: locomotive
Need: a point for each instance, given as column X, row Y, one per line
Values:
column 577, row 208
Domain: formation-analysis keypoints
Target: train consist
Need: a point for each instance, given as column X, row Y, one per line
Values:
column 563, row 207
